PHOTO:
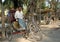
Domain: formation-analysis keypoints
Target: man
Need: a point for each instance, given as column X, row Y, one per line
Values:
column 11, row 15
column 19, row 17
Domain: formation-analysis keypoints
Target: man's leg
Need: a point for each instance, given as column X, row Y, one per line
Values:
column 22, row 23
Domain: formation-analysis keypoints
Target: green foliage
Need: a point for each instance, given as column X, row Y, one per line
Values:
column 43, row 5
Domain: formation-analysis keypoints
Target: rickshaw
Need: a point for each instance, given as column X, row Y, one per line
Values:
column 13, row 29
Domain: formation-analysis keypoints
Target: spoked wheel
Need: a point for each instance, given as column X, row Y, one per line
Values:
column 35, row 33
column 9, row 34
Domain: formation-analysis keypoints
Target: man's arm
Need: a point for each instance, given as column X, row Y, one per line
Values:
column 16, row 16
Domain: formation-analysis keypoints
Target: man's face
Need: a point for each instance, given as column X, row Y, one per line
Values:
column 20, row 8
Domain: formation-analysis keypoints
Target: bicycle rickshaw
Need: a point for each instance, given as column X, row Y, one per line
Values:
column 13, row 29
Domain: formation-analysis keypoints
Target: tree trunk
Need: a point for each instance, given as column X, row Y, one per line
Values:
column 3, row 23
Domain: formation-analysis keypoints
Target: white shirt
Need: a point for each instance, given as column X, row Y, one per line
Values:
column 19, row 15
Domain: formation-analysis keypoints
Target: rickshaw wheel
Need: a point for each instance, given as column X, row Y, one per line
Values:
column 8, row 34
